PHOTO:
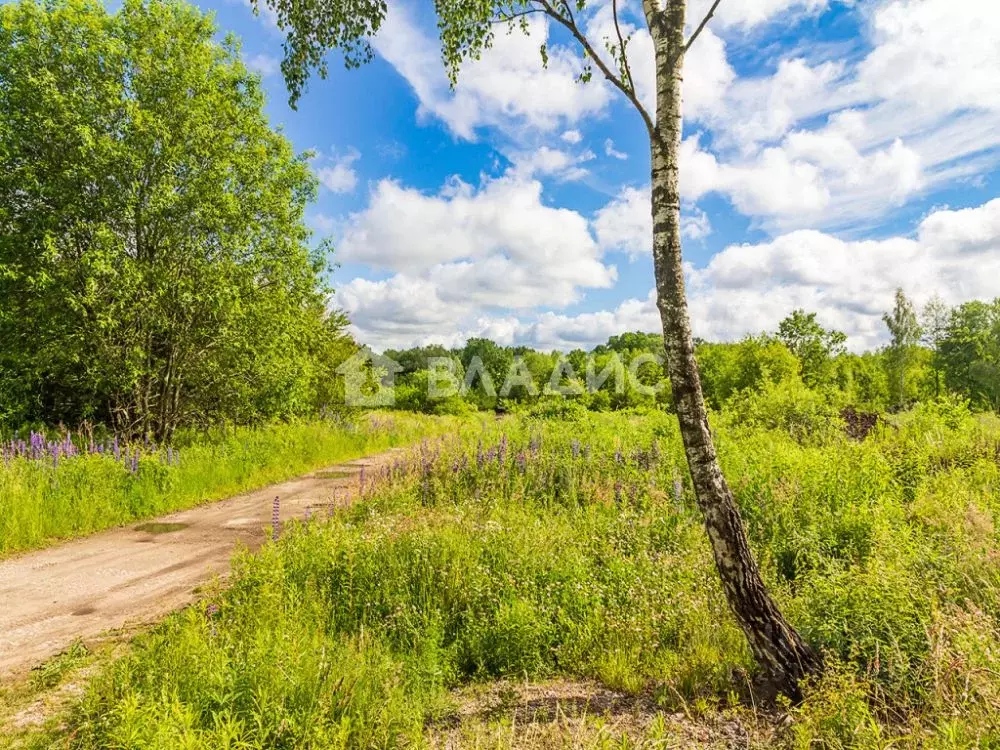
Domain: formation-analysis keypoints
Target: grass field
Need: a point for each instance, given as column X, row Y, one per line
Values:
column 49, row 495
column 547, row 554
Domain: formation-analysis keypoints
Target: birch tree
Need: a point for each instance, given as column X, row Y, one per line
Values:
column 905, row 331
column 934, row 320
column 467, row 28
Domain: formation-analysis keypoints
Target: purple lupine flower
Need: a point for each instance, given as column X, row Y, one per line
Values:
column 502, row 453
column 37, row 444
column 135, row 462
column 678, row 488
column 116, row 448
column 522, row 462
column 618, row 456
column 618, row 493
column 575, row 448
column 275, row 518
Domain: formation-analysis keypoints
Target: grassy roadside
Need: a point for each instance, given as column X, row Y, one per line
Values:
column 572, row 551
column 44, row 501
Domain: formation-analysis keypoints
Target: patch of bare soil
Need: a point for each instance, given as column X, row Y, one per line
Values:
column 581, row 714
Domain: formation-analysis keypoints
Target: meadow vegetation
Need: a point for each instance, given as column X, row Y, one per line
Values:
column 573, row 548
column 162, row 297
column 61, row 488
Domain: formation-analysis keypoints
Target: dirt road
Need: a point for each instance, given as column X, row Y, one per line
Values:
column 137, row 574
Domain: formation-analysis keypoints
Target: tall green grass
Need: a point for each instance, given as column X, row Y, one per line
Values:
column 42, row 501
column 574, row 548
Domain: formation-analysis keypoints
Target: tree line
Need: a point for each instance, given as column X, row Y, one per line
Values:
column 932, row 352
column 155, row 265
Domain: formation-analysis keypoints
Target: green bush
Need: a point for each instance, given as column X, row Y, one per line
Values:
column 789, row 406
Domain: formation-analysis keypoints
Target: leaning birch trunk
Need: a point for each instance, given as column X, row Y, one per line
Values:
column 781, row 653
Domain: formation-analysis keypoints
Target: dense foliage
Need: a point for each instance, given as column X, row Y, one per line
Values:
column 802, row 362
column 154, row 261
column 574, row 548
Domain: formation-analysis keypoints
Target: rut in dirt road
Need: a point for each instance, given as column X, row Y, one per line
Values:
column 137, row 574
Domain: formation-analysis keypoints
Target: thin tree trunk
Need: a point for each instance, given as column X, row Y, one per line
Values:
column 781, row 653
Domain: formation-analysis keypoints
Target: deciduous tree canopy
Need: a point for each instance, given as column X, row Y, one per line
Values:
column 154, row 261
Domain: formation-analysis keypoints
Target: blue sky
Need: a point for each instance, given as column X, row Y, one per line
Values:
column 833, row 151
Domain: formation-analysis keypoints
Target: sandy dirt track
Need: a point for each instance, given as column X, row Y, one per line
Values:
column 135, row 575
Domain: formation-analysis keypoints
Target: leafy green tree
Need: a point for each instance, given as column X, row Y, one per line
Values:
column 970, row 353
column 495, row 362
column 416, row 358
column 467, row 28
column 905, row 331
column 633, row 342
column 154, row 265
column 812, row 344
column 750, row 364
column 861, row 380
column 934, row 319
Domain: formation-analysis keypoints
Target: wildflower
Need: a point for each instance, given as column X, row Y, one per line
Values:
column 37, row 444
column 575, row 448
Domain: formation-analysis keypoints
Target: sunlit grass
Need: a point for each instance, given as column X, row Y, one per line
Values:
column 42, row 501
column 567, row 550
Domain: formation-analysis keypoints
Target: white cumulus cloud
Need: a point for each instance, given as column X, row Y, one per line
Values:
column 340, row 177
